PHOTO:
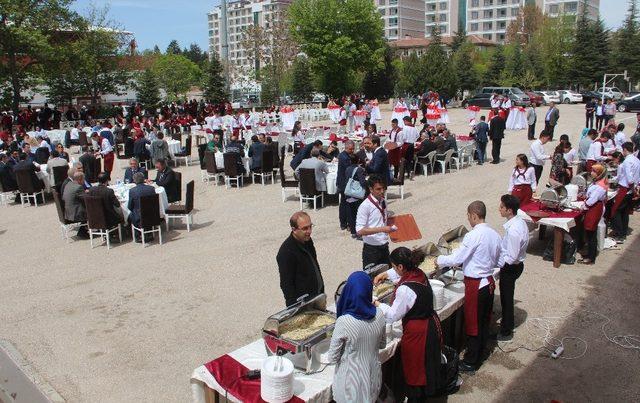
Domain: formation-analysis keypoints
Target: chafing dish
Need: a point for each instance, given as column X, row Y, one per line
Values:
column 582, row 180
column 383, row 292
column 554, row 198
column 452, row 239
column 277, row 331
column 431, row 252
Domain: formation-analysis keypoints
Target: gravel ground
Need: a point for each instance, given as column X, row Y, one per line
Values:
column 131, row 324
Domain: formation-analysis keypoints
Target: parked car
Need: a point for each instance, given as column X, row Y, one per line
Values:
column 589, row 95
column 612, row 92
column 550, row 96
column 517, row 96
column 629, row 104
column 569, row 97
column 482, row 100
column 535, row 98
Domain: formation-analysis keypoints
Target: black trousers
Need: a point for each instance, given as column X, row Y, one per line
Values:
column 620, row 220
column 495, row 150
column 343, row 211
column 476, row 344
column 592, row 244
column 607, row 118
column 482, row 151
column 376, row 254
column 508, row 276
column 549, row 129
column 531, row 134
column 538, row 171
column 599, row 121
column 589, row 121
column 352, row 209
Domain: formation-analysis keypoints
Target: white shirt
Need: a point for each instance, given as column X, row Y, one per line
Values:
column 537, row 156
column 44, row 144
column 595, row 151
column 507, row 103
column 213, row 122
column 529, row 179
column 570, row 156
column 629, row 171
column 403, row 302
column 75, row 134
column 620, row 138
column 513, row 248
column 495, row 103
column 369, row 216
column 478, row 254
column 595, row 194
column 609, row 147
column 105, row 147
column 409, row 134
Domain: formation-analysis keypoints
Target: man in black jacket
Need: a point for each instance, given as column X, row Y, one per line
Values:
column 298, row 263
column 166, row 178
column 344, row 161
column 112, row 209
column 496, row 134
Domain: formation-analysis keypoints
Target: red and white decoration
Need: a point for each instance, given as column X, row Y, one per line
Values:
column 375, row 112
column 288, row 117
column 517, row 119
column 472, row 115
column 400, row 111
column 359, row 116
column 334, row 112
column 433, row 114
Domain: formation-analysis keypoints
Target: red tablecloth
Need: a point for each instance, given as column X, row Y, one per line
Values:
column 535, row 205
column 229, row 374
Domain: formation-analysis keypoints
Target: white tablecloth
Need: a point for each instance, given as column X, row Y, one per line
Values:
column 310, row 388
column 332, row 177
column 56, row 136
column 517, row 119
column 122, row 193
column 174, row 147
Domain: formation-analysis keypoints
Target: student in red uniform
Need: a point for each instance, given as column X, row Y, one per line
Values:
column 478, row 255
column 594, row 206
column 628, row 176
column 416, row 369
column 522, row 182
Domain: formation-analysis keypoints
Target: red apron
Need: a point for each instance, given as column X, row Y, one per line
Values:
column 522, row 193
column 343, row 122
column 592, row 216
column 622, row 193
column 108, row 162
column 471, row 288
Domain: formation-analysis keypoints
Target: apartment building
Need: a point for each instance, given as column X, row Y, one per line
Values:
column 402, row 18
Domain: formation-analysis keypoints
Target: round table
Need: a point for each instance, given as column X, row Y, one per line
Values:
column 122, row 193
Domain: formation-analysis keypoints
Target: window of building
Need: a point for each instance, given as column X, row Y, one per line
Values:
column 487, row 36
column 553, row 9
column 474, row 15
column 443, row 17
column 431, row 18
column 475, row 3
column 571, row 7
column 502, row 2
column 488, row 2
column 500, row 37
column 393, row 21
column 443, row 5
column 393, row 11
column 502, row 12
column 383, row 11
column 515, row 12
column 487, row 26
column 473, row 27
column 431, row 7
column 488, row 14
column 515, row 1
column 502, row 25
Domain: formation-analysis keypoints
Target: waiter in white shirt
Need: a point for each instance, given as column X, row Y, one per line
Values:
column 538, row 157
column 513, row 251
column 371, row 224
column 409, row 133
column 478, row 255
column 620, row 138
column 628, row 178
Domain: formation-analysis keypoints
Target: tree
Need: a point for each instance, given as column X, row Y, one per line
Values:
column 214, row 84
column 627, row 54
column 176, row 74
column 378, row 81
column 270, row 91
column 584, row 51
column 148, row 89
column 156, row 50
column 435, row 67
column 459, row 39
column 173, row 48
column 555, row 38
column 525, row 25
column 26, row 41
column 340, row 37
column 462, row 61
column 410, row 75
column 602, row 51
column 195, row 54
column 495, row 67
column 513, row 67
column 302, row 86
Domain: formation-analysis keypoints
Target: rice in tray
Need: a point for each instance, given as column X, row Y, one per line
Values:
column 304, row 325
column 429, row 264
column 382, row 289
column 455, row 244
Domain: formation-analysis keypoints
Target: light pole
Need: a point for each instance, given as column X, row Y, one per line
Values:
column 613, row 76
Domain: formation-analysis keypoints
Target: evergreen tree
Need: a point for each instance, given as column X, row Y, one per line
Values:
column 173, row 48
column 601, row 54
column 435, row 68
column 410, row 78
column 302, row 86
column 156, row 50
column 148, row 89
column 195, row 54
column 583, row 55
column 627, row 54
column 495, row 67
column 378, row 81
column 513, row 67
column 459, row 39
column 270, row 91
column 462, row 61
column 214, row 84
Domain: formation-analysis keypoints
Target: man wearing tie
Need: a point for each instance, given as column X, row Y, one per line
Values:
column 379, row 163
column 167, row 179
column 134, row 166
column 551, row 119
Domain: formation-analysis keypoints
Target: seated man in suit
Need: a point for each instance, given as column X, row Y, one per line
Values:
column 88, row 161
column 26, row 149
column 167, row 179
column 140, row 148
column 305, row 153
column 74, row 208
column 113, row 211
column 26, row 165
column 7, row 176
column 236, row 147
column 55, row 161
column 320, row 168
column 255, row 153
column 135, row 193
column 134, row 167
column 379, row 163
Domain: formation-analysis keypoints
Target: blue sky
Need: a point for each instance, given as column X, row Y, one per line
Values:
column 159, row 21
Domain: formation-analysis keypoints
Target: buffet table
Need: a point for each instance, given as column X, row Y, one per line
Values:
column 207, row 388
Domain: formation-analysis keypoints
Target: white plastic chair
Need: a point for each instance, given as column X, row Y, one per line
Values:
column 446, row 160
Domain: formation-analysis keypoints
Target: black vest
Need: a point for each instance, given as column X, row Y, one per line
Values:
column 423, row 307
